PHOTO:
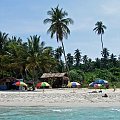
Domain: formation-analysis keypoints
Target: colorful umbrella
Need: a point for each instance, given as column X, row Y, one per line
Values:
column 101, row 81
column 98, row 81
column 20, row 83
column 73, row 84
column 97, row 85
column 42, row 84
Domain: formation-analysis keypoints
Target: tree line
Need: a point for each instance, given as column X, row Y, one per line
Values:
column 30, row 59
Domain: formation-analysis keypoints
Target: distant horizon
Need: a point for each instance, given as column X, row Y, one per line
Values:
column 22, row 20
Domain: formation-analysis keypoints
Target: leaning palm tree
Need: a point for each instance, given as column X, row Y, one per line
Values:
column 59, row 26
column 100, row 30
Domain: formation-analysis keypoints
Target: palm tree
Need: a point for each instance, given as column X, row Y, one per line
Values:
column 59, row 26
column 100, row 30
column 85, row 62
column 69, row 60
column 17, row 54
column 33, row 58
column 3, row 39
column 58, row 53
column 85, row 59
column 105, row 53
column 77, row 57
column 113, row 60
column 104, row 61
column 39, row 58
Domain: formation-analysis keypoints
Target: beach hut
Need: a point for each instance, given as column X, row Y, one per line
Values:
column 56, row 80
column 6, row 83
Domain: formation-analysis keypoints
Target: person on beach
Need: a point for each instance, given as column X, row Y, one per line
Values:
column 107, row 86
column 114, row 88
column 100, row 91
column 105, row 95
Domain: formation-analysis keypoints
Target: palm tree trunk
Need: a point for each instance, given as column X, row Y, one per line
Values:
column 33, row 74
column 101, row 42
column 65, row 58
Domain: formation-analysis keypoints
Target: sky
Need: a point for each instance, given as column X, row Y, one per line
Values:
column 23, row 18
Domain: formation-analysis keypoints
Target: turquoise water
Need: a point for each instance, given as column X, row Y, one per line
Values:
column 58, row 113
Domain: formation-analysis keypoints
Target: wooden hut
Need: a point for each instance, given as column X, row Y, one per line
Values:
column 6, row 83
column 56, row 80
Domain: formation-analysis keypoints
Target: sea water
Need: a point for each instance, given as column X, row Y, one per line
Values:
column 59, row 113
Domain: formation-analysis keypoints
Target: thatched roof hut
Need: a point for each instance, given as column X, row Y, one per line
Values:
column 7, row 79
column 56, row 79
column 53, row 75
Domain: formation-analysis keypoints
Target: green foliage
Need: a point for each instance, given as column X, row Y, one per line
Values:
column 103, row 74
column 115, row 71
column 76, row 75
column 89, row 77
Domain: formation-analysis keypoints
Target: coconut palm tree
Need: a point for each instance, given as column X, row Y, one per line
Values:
column 113, row 60
column 33, row 58
column 58, row 53
column 105, row 53
column 85, row 59
column 77, row 57
column 3, row 40
column 17, row 54
column 70, row 60
column 104, row 61
column 39, row 58
column 59, row 26
column 100, row 30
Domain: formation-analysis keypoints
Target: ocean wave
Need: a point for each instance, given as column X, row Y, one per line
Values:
column 115, row 109
column 62, row 110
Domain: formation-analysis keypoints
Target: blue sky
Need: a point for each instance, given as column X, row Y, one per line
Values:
column 23, row 18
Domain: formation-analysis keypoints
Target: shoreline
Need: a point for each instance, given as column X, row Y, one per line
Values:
column 67, row 97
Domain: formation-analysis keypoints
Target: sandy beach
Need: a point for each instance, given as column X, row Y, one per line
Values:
column 67, row 97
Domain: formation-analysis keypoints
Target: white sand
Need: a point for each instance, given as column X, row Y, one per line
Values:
column 68, row 97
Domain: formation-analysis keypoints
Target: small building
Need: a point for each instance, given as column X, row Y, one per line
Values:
column 7, row 83
column 56, row 80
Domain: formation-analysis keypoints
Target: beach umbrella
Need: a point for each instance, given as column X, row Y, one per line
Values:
column 42, row 85
column 101, row 81
column 20, row 83
column 97, row 85
column 73, row 84
column 92, row 84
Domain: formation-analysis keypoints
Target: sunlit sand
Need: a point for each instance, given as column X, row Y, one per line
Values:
column 67, row 97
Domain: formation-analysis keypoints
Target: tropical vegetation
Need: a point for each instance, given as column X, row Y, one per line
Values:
column 30, row 58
